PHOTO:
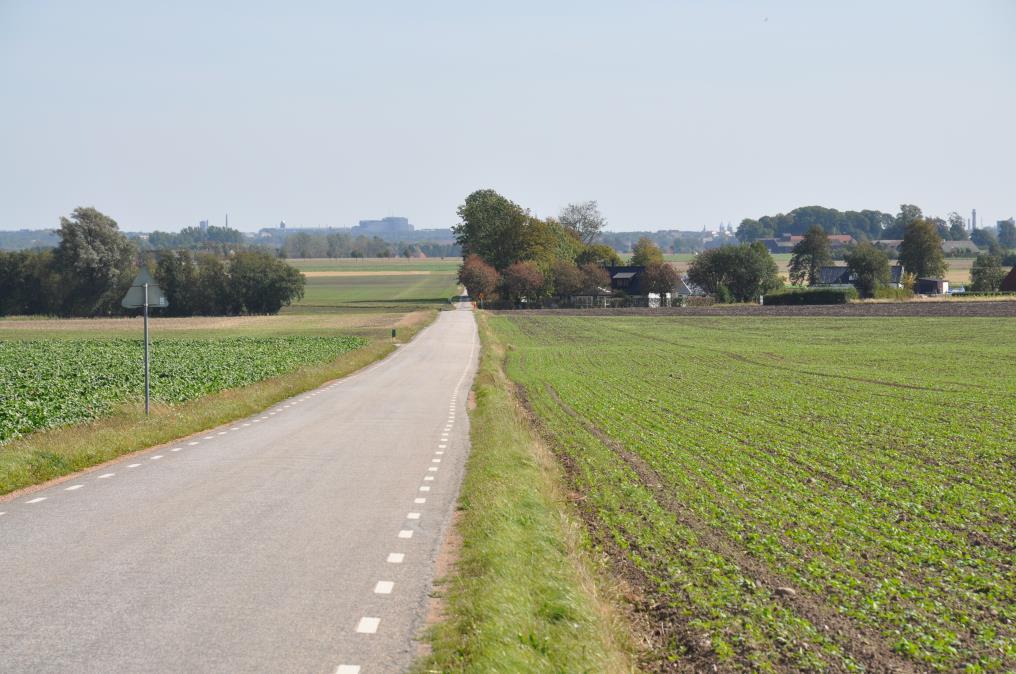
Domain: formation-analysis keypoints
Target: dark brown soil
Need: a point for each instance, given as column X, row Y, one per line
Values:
column 960, row 308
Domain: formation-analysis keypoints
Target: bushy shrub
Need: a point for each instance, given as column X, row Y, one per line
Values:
column 811, row 296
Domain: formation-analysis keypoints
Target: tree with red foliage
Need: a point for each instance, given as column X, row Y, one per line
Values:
column 522, row 279
column 479, row 277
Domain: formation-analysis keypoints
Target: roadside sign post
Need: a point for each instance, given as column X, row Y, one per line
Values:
column 144, row 292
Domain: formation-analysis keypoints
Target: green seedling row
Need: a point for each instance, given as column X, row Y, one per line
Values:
column 867, row 466
column 48, row 382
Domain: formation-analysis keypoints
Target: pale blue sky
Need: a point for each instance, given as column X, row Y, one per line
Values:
column 671, row 114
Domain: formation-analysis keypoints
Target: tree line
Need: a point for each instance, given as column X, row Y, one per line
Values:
column 339, row 244
column 511, row 255
column 869, row 225
column 92, row 266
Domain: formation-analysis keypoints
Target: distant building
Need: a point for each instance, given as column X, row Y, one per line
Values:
column 786, row 243
column 839, row 275
column 282, row 225
column 389, row 225
column 203, row 225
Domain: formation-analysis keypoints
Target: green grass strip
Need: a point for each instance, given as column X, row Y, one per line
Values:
column 522, row 596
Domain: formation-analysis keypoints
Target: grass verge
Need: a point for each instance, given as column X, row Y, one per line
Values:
column 523, row 595
column 50, row 454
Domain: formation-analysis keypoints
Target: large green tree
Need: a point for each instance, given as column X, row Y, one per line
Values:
column 871, row 266
column 495, row 228
column 921, row 250
column 809, row 255
column 1007, row 233
column 987, row 273
column 957, row 227
column 743, row 272
column 645, row 253
column 95, row 262
column 263, row 284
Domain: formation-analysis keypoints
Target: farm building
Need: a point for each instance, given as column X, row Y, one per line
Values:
column 838, row 275
column 626, row 279
column 931, row 286
column 1009, row 282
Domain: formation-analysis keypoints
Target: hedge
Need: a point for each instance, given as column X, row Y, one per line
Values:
column 811, row 296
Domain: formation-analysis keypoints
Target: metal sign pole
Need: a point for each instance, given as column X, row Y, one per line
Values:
column 147, row 394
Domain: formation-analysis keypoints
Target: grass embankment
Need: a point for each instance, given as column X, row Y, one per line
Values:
column 522, row 596
column 47, row 455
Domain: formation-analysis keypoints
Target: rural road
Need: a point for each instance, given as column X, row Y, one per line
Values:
column 302, row 539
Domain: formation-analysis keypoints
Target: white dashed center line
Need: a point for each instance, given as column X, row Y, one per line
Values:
column 347, row 669
column 439, row 452
column 73, row 487
column 429, row 478
column 413, row 516
column 432, row 469
column 191, row 444
column 405, row 533
column 444, row 446
column 419, row 500
column 384, row 587
column 103, row 477
column 134, row 465
column 156, row 458
column 176, row 449
column 368, row 625
column 209, row 437
column 395, row 557
column 435, row 460
column 43, row 498
column 424, row 488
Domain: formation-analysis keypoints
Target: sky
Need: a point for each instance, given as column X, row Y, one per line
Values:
column 671, row 114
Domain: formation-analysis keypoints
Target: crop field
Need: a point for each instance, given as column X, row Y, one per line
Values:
column 791, row 494
column 434, row 264
column 53, row 382
column 355, row 284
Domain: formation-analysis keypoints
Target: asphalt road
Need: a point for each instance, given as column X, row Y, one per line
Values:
column 303, row 539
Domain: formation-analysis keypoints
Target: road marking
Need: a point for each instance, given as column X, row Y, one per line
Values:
column 77, row 486
column 432, row 469
column 429, row 478
column 209, row 437
column 43, row 498
column 405, row 533
column 347, row 669
column 256, row 421
column 176, row 449
column 413, row 516
column 134, row 465
column 246, row 424
column 272, row 413
column 444, row 446
column 103, row 477
column 3, row 513
column 435, row 460
column 439, row 452
column 368, row 625
column 419, row 500
column 157, row 457
column 395, row 557
column 384, row 587
column 425, row 488
column 221, row 433
column 191, row 444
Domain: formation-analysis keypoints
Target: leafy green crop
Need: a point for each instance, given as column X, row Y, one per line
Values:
column 805, row 494
column 48, row 382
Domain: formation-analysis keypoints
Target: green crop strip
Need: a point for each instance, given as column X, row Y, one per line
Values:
column 49, row 382
column 867, row 465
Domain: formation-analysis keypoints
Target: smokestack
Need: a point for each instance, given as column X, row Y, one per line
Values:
column 227, row 220
column 973, row 219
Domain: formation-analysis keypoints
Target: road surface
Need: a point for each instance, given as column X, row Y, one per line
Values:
column 299, row 540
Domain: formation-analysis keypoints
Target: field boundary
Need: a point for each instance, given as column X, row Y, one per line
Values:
column 50, row 456
column 912, row 308
column 524, row 591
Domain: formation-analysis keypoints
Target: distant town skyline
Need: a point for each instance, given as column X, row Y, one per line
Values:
column 672, row 115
